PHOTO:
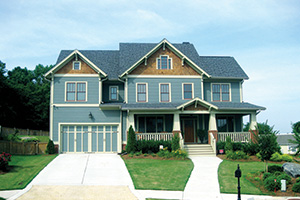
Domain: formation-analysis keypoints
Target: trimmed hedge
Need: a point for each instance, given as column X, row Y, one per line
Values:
column 152, row 146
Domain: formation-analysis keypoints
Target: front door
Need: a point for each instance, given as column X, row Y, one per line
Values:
column 189, row 130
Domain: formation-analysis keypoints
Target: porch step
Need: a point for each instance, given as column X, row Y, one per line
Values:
column 199, row 150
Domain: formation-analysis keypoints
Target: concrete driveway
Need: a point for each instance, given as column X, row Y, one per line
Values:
column 82, row 174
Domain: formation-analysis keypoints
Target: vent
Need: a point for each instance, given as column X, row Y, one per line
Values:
column 185, row 43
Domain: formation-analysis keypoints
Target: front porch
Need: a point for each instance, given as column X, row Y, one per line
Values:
column 193, row 129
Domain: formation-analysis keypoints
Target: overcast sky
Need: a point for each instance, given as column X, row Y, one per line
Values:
column 263, row 36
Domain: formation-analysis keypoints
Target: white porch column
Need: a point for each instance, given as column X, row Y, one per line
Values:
column 130, row 120
column 253, row 122
column 176, row 122
column 212, row 122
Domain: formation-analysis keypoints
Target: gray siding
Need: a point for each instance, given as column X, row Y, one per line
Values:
column 153, row 88
column 105, row 93
column 92, row 89
column 235, row 89
column 81, row 115
column 124, row 126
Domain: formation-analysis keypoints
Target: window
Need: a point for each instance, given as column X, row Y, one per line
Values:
column 188, row 90
column 76, row 91
column 150, row 124
column 220, row 92
column 76, row 65
column 225, row 124
column 165, row 92
column 113, row 93
column 141, row 92
column 164, row 62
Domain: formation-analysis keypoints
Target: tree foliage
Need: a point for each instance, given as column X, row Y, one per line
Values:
column 25, row 96
column 131, row 141
column 296, row 131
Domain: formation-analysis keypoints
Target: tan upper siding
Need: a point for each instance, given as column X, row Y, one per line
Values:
column 192, row 107
column 150, row 68
column 68, row 68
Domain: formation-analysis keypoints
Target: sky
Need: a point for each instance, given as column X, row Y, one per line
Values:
column 262, row 35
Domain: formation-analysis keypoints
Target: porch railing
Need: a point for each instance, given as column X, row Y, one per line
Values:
column 235, row 136
column 154, row 136
column 213, row 142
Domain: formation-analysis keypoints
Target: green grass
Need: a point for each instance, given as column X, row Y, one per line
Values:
column 25, row 168
column 40, row 138
column 150, row 174
column 227, row 181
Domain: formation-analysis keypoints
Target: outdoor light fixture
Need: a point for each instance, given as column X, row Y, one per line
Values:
column 91, row 116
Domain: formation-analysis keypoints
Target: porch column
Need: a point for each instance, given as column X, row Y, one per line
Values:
column 252, row 126
column 131, row 120
column 176, row 123
column 212, row 127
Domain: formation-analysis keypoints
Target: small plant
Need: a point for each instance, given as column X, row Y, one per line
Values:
column 284, row 177
column 180, row 153
column 153, row 154
column 257, row 179
column 4, row 159
column 14, row 136
column 164, row 153
column 145, row 154
column 258, row 156
column 266, row 175
column 287, row 158
column 296, row 187
column 130, row 155
column 50, row 147
column 138, row 153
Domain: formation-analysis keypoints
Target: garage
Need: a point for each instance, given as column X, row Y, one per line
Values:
column 89, row 138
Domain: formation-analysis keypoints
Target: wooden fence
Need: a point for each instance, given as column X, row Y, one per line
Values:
column 23, row 148
column 5, row 131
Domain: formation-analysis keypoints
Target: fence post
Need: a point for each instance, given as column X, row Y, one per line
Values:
column 23, row 148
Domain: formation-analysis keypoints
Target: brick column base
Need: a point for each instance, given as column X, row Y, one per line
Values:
column 253, row 134
column 176, row 132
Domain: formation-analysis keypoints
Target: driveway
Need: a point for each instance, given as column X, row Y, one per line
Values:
column 82, row 176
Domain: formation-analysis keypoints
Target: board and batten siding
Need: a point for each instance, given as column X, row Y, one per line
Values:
column 235, row 89
column 81, row 115
column 153, row 88
column 60, row 90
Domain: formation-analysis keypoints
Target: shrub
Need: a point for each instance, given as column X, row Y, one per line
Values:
column 4, row 159
column 138, row 153
column 164, row 153
column 266, row 175
column 287, row 158
column 236, row 155
column 298, row 180
column 237, row 146
column 296, row 187
column 228, row 144
column 270, row 184
column 131, row 141
column 258, row 156
column 275, row 168
column 257, row 179
column 175, row 142
column 284, row 177
column 276, row 157
column 251, row 148
column 50, row 147
column 152, row 146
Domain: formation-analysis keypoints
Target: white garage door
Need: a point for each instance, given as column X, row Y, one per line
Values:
column 82, row 138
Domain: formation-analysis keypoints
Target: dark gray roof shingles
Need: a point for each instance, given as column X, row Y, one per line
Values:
column 284, row 139
column 237, row 105
column 114, row 63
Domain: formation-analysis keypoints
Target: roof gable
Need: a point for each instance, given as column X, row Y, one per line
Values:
column 139, row 56
column 197, row 104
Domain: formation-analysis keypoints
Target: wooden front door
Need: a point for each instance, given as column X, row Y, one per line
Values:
column 189, row 130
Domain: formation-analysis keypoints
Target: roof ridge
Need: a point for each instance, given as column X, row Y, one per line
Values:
column 217, row 56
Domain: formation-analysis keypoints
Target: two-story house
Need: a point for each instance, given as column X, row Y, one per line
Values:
column 157, row 88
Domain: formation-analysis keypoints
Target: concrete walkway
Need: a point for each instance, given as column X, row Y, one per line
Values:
column 104, row 176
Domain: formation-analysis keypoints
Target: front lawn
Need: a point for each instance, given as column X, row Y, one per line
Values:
column 227, row 181
column 23, row 170
column 151, row 174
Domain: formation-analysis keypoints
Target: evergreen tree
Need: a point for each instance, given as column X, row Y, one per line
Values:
column 131, row 141
column 296, row 131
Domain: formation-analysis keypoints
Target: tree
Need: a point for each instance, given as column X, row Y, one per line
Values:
column 296, row 131
column 267, row 142
column 131, row 141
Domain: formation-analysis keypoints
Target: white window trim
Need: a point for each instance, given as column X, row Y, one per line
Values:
column 110, row 92
column 168, row 57
column 170, row 93
column 183, row 91
column 211, row 89
column 76, row 62
column 86, row 91
column 136, row 92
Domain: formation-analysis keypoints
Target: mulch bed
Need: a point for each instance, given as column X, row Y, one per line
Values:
column 251, row 158
column 126, row 157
